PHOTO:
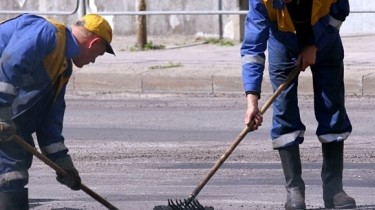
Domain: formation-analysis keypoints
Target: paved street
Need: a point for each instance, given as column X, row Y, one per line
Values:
column 139, row 151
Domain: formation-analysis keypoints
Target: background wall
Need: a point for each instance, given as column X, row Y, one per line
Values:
column 360, row 23
column 230, row 26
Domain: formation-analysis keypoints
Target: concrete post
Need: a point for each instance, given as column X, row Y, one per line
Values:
column 244, row 5
column 81, row 8
column 220, row 7
column 140, row 23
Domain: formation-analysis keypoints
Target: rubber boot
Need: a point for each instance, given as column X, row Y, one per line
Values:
column 295, row 186
column 334, row 195
column 14, row 200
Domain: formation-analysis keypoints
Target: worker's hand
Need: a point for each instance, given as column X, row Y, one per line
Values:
column 7, row 128
column 307, row 57
column 72, row 179
column 253, row 113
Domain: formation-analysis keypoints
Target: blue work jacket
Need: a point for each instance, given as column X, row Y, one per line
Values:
column 35, row 66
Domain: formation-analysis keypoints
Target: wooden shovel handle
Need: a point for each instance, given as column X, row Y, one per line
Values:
column 61, row 171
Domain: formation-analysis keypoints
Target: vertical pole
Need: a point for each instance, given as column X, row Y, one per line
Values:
column 220, row 7
column 81, row 8
column 140, row 23
column 244, row 5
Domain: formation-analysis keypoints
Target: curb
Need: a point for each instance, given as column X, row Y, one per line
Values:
column 206, row 69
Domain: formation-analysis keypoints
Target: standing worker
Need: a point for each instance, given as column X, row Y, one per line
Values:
column 36, row 56
column 303, row 33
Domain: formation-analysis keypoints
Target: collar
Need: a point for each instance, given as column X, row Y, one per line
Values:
column 72, row 48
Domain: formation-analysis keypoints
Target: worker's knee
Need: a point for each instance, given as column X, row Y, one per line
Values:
column 13, row 180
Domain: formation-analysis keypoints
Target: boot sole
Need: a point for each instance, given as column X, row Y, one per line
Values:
column 348, row 206
column 292, row 208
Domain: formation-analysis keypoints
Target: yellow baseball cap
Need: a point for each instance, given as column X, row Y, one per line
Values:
column 98, row 25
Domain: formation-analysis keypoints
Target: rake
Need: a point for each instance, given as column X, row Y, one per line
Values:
column 191, row 203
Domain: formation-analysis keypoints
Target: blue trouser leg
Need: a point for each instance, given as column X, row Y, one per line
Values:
column 287, row 127
column 333, row 122
column 329, row 94
column 14, row 165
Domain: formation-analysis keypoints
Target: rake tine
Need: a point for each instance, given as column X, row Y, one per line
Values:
column 180, row 204
column 185, row 205
column 176, row 205
column 197, row 205
column 172, row 204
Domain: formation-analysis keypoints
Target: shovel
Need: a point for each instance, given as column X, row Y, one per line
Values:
column 191, row 203
column 61, row 171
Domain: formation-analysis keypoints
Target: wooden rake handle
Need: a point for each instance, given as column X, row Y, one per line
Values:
column 61, row 171
column 243, row 133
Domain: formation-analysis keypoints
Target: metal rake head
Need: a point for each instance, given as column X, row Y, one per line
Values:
column 185, row 205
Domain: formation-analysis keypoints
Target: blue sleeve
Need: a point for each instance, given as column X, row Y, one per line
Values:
column 30, row 41
column 340, row 10
column 49, row 134
column 254, row 45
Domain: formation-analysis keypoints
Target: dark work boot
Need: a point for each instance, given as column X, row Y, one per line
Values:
column 14, row 200
column 295, row 186
column 334, row 195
